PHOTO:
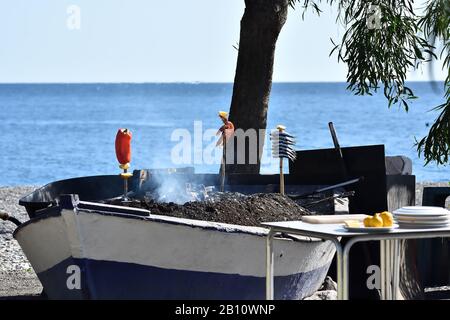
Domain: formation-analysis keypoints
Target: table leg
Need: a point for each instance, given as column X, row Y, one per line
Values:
column 339, row 264
column 396, row 269
column 269, row 266
column 346, row 267
column 382, row 268
column 388, row 268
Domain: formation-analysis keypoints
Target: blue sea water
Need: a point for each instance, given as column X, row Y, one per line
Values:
column 57, row 131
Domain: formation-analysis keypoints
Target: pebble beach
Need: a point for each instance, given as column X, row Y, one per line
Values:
column 17, row 278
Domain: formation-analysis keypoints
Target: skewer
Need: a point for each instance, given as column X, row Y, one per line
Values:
column 224, row 162
column 227, row 130
column 281, row 177
column 125, row 175
column 280, row 130
column 125, row 185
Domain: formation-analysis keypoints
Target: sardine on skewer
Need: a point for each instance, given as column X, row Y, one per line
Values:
column 282, row 134
column 284, row 152
column 286, row 155
column 283, row 139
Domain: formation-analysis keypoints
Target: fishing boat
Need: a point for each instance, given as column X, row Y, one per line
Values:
column 83, row 249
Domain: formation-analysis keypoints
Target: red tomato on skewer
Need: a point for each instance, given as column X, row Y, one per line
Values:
column 123, row 146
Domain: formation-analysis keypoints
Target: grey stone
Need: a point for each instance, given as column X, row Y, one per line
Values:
column 328, row 284
column 323, row 295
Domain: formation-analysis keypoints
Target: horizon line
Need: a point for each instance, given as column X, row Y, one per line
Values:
column 187, row 82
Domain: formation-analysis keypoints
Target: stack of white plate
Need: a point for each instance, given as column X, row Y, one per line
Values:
column 422, row 217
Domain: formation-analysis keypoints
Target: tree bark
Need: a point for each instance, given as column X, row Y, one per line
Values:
column 260, row 26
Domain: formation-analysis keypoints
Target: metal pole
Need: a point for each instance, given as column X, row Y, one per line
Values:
column 269, row 266
column 338, row 149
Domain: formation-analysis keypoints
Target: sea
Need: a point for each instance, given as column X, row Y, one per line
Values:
column 57, row 131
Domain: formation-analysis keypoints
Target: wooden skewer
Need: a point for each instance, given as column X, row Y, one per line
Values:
column 224, row 116
column 224, row 162
column 281, row 177
column 125, row 186
column 125, row 175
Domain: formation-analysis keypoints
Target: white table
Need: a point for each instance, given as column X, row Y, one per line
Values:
column 389, row 251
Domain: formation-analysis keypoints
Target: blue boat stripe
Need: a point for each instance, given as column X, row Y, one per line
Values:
column 118, row 280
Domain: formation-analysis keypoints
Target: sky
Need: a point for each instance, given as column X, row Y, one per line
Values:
column 155, row 41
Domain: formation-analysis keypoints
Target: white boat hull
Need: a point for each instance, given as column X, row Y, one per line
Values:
column 92, row 254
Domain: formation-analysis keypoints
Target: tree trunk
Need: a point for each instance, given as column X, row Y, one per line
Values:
column 260, row 27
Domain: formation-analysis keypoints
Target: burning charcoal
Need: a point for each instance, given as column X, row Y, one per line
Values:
column 228, row 207
column 210, row 209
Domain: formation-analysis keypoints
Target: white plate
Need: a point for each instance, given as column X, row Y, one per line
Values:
column 421, row 218
column 424, row 215
column 422, row 211
column 421, row 226
column 420, row 208
column 369, row 229
column 423, row 222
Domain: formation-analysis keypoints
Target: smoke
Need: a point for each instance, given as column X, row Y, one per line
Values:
column 170, row 188
column 177, row 187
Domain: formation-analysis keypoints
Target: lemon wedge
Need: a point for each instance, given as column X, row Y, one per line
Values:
column 352, row 223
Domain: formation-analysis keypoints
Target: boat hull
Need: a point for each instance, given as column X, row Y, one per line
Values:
column 91, row 254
